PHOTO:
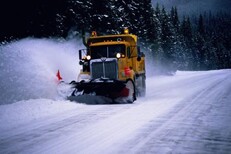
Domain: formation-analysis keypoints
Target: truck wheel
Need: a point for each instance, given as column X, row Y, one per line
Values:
column 132, row 91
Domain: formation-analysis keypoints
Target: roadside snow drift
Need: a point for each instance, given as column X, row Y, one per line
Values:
column 29, row 66
column 22, row 112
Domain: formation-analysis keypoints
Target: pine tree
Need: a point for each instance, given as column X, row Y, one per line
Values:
column 121, row 14
column 178, row 52
column 157, row 11
column 147, row 23
column 200, row 43
column 167, row 42
column 99, row 15
column 201, row 26
column 79, row 14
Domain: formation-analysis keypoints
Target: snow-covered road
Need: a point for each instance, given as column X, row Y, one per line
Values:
column 186, row 113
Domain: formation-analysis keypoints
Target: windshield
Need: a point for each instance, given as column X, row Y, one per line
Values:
column 108, row 51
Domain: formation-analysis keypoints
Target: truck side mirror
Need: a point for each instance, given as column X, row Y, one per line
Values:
column 138, row 58
column 80, row 54
column 139, row 54
column 138, row 51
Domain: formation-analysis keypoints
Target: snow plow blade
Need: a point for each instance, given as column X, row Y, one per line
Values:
column 104, row 90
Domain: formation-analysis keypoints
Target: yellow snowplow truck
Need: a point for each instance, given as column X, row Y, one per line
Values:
column 113, row 67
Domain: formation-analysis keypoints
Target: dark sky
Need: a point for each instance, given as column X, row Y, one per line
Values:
column 17, row 15
column 196, row 6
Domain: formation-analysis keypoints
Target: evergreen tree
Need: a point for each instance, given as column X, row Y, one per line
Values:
column 201, row 26
column 175, row 19
column 100, row 20
column 188, row 56
column 148, row 23
column 200, row 44
column 79, row 14
column 178, row 52
column 167, row 43
column 157, row 11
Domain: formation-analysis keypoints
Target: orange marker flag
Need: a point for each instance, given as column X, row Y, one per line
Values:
column 59, row 76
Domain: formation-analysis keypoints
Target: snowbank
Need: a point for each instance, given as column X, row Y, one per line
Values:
column 12, row 115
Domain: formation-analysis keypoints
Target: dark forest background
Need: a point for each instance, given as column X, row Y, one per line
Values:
column 195, row 42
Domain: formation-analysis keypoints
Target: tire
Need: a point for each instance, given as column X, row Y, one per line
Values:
column 132, row 93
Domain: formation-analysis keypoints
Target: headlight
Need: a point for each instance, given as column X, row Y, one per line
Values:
column 88, row 57
column 118, row 55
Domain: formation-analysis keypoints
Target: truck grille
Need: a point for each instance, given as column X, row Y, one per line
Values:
column 104, row 68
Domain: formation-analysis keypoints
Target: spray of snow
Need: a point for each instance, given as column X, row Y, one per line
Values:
column 29, row 66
